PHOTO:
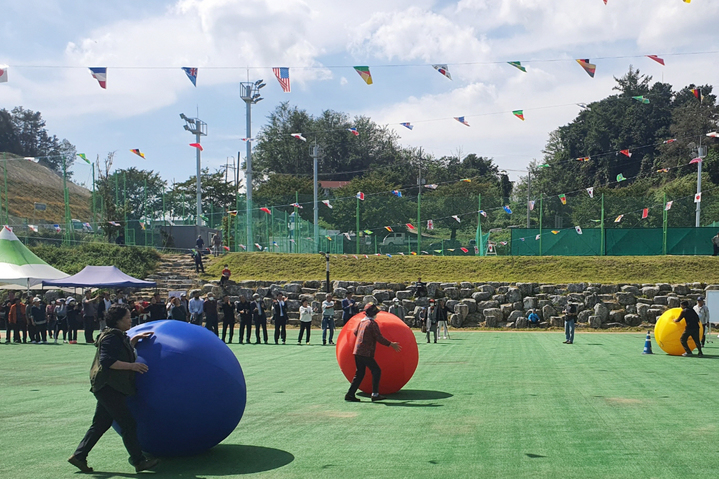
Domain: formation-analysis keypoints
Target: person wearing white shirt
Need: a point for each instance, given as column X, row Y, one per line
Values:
column 703, row 312
column 196, row 307
column 305, row 321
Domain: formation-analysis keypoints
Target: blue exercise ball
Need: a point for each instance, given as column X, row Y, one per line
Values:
column 193, row 395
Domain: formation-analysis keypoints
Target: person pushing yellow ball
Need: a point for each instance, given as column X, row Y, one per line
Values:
column 678, row 331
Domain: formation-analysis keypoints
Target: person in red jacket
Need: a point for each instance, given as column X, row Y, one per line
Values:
column 368, row 335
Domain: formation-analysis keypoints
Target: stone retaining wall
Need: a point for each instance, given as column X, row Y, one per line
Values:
column 490, row 304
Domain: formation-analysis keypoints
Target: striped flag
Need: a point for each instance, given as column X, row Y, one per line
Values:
column 354, row 131
column 283, row 76
column 100, row 74
column 588, row 67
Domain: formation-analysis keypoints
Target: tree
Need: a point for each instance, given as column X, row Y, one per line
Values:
column 218, row 195
column 23, row 133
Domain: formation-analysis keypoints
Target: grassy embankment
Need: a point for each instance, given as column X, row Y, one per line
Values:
column 135, row 261
column 548, row 269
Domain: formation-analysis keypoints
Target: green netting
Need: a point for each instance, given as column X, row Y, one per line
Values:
column 617, row 242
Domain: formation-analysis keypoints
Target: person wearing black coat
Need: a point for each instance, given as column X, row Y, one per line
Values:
column 243, row 310
column 259, row 317
column 228, row 318
column 280, row 317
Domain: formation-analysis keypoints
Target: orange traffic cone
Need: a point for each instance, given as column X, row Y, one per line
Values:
column 648, row 344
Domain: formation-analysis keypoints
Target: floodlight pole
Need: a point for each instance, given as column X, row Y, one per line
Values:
column 198, row 128
column 250, row 94
column 701, row 153
column 315, row 153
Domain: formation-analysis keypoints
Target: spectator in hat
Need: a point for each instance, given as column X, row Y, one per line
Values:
column 691, row 319
column 367, row 335
column 73, row 319
column 51, row 319
column 328, row 318
column 39, row 321
column 18, row 318
column 397, row 309
column 209, row 307
column 702, row 311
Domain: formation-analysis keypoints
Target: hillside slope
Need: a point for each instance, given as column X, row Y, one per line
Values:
column 29, row 183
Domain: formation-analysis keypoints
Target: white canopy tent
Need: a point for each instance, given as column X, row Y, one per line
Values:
column 20, row 266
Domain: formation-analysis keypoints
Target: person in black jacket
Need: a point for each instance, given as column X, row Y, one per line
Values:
column 112, row 377
column 692, row 329
column 209, row 307
column 243, row 310
column 280, row 317
column 259, row 317
column 157, row 308
column 228, row 318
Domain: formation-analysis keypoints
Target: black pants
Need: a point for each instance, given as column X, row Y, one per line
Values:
column 199, row 266
column 40, row 332
column 432, row 329
column 245, row 323
column 72, row 329
column 694, row 334
column 17, row 328
column 258, row 325
column 716, row 250
column 111, row 406
column 211, row 324
column 281, row 331
column 305, row 326
column 8, row 330
column 88, row 324
column 231, row 326
column 61, row 325
column 362, row 363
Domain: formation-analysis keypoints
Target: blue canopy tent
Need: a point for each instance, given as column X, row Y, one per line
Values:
column 100, row 277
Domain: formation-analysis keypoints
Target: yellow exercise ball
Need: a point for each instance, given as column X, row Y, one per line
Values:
column 667, row 332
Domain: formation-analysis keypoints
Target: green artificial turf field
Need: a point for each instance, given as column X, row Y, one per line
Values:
column 481, row 405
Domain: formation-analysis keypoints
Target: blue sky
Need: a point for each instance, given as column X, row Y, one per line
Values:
column 48, row 45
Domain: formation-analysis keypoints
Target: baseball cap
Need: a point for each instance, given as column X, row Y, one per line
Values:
column 700, row 298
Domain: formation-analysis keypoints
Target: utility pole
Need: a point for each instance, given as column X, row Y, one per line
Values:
column 701, row 153
column 529, row 194
column 198, row 128
column 66, row 193
column 250, row 94
column 315, row 154
column 419, row 203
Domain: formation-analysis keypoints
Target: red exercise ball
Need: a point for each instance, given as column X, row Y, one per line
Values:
column 397, row 367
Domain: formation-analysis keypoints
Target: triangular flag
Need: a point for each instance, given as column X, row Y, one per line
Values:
column 3, row 73
column 389, row 255
column 626, row 153
column 461, row 120
column 354, row 131
column 191, row 73
column 668, row 206
column 583, row 106
column 430, row 224
column 298, row 136
column 82, row 155
column 578, row 229
column 414, row 253
column 259, row 246
column 555, row 232
column 466, row 180
column 266, row 210
column 100, row 74
column 327, row 203
column 695, row 160
column 698, row 198
column 507, row 209
column 450, row 249
column 388, row 228
column 697, row 93
column 670, row 141
column 663, row 170
column 226, row 248
column 518, row 66
column 519, row 114
column 34, row 228
column 432, row 186
column 410, row 226
column 443, row 70
column 483, row 213
column 645, row 213
column 328, row 238
column 457, row 218
column 584, row 158
column 138, row 152
column 367, row 232
column 590, row 191
column 365, row 74
column 296, row 205
column 283, row 76
column 656, row 59
column 620, row 177
column 641, row 98
column 531, row 205
column 407, row 125
column 588, row 67
column 397, row 193
column 713, row 134
column 464, row 250
column 247, row 139
column 360, row 196
column 563, row 199
column 537, row 237
column 347, row 235
column 197, row 145
column 57, row 228
column 618, row 218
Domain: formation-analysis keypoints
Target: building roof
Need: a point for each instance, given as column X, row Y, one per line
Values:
column 331, row 185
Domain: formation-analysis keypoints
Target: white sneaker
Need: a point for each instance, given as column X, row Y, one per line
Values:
column 64, row 341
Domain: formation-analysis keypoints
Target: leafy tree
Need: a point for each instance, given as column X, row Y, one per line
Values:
column 23, row 133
